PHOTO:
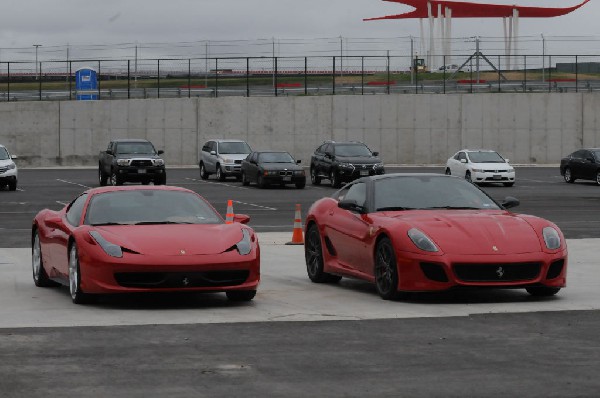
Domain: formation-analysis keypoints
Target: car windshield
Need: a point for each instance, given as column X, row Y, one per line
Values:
column 4, row 154
column 596, row 153
column 147, row 206
column 234, row 148
column 275, row 157
column 485, row 157
column 141, row 148
column 352, row 150
column 429, row 192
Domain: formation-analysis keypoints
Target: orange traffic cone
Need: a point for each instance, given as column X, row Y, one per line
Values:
column 229, row 215
column 297, row 236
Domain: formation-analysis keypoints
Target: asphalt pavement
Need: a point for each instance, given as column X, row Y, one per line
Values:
column 297, row 338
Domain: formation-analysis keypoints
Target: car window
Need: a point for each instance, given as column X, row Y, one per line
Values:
column 75, row 210
column 358, row 193
column 136, row 148
column 150, row 207
column 580, row 154
column 358, row 150
column 233, row 148
column 457, row 156
column 462, row 155
column 429, row 192
column 596, row 154
column 486, row 157
column 341, row 194
column 4, row 154
column 206, row 147
column 275, row 157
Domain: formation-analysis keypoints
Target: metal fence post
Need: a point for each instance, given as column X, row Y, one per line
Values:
column 305, row 75
column 69, row 79
column 247, row 77
column 216, row 77
column 388, row 73
column 275, row 71
column 524, row 73
column 8, row 83
column 444, row 73
column 99, row 78
column 362, row 75
column 550, row 74
column 189, row 78
column 333, row 75
column 158, row 78
column 128, row 79
column 40, row 79
column 576, row 74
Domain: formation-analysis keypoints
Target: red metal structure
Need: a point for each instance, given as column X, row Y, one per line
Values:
column 463, row 9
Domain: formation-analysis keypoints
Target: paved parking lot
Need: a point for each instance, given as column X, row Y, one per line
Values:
column 298, row 338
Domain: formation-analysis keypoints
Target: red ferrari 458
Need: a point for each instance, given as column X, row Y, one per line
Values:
column 144, row 239
column 431, row 232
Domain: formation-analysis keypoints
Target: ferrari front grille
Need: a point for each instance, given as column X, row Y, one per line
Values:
column 162, row 280
column 555, row 269
column 497, row 272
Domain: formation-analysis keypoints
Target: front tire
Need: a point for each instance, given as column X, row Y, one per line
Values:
column 448, row 172
column 220, row 174
column 386, row 270
column 300, row 185
column 313, row 256
column 102, row 178
column 12, row 185
column 40, row 277
column 598, row 177
column 334, row 177
column 240, row 295
column 115, row 180
column 203, row 174
column 245, row 181
column 568, row 176
column 77, row 295
column 468, row 177
column 542, row 291
column 314, row 178
column 260, row 181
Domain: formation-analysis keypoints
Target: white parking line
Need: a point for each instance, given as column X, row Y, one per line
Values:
column 254, row 205
column 73, row 183
column 215, row 183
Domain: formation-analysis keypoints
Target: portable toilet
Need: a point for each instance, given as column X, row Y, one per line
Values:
column 86, row 84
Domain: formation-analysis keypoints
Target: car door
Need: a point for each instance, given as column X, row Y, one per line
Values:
column 588, row 166
column 460, row 164
column 249, row 167
column 328, row 154
column 211, row 157
column 348, row 231
column 576, row 164
column 317, row 159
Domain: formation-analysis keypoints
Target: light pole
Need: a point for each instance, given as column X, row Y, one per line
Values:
column 36, row 59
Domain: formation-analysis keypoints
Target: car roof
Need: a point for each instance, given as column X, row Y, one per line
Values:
column 396, row 175
column 226, row 140
column 477, row 150
column 99, row 190
column 130, row 140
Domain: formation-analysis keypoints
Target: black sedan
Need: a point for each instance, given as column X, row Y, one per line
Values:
column 270, row 167
column 583, row 164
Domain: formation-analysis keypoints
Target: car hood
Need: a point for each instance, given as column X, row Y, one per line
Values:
column 475, row 232
column 6, row 162
column 234, row 156
column 280, row 166
column 358, row 159
column 174, row 239
column 137, row 156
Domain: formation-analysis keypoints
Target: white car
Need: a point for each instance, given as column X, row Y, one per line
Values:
column 481, row 165
column 8, row 170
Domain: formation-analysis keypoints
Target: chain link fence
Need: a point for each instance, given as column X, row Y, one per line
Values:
column 285, row 76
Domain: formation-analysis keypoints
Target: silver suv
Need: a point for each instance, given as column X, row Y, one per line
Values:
column 223, row 158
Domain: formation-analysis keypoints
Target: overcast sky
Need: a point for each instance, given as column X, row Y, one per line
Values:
column 101, row 22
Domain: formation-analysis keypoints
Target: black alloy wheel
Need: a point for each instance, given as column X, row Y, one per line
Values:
column 313, row 256
column 386, row 270
column 568, row 176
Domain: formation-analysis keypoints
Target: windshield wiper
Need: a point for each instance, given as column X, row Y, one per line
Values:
column 453, row 208
column 161, row 222
column 392, row 208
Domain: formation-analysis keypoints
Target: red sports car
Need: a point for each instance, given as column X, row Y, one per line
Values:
column 144, row 239
column 429, row 232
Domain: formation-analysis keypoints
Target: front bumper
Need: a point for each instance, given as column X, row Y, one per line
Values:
column 130, row 173
column 353, row 172
column 493, row 176
column 285, row 179
column 232, row 169
column 423, row 272
column 135, row 273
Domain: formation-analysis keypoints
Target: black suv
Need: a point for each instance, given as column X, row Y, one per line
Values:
column 342, row 162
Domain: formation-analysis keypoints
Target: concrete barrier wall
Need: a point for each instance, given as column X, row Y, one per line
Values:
column 406, row 129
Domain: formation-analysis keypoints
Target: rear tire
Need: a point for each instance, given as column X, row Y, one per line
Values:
column 40, row 277
column 240, row 295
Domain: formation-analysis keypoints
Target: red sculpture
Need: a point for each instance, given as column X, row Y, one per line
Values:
column 463, row 9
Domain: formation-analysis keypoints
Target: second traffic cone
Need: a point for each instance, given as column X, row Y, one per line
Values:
column 229, row 215
column 297, row 236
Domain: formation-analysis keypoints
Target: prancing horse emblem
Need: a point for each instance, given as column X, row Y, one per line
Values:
column 500, row 272
column 182, row 251
column 494, row 248
column 185, row 281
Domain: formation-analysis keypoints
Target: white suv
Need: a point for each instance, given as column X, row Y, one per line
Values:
column 482, row 165
column 8, row 170
column 223, row 158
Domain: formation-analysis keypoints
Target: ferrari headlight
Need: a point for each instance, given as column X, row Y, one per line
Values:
column 109, row 248
column 244, row 246
column 158, row 162
column 123, row 162
column 421, row 240
column 551, row 237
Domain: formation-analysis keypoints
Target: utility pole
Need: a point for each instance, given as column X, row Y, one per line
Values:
column 36, row 59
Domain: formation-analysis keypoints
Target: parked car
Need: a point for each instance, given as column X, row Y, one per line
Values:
column 8, row 170
column 223, row 158
column 271, row 167
column 481, row 165
column 131, row 160
column 144, row 239
column 342, row 162
column 583, row 164
column 430, row 232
